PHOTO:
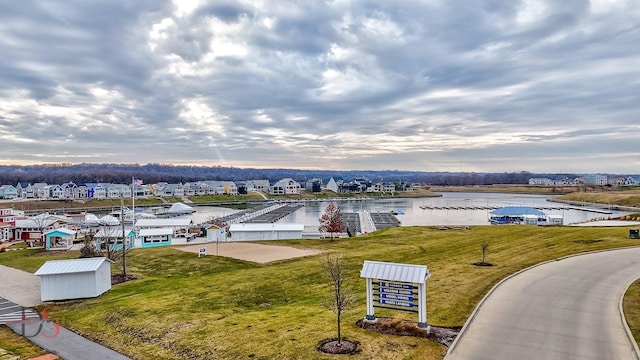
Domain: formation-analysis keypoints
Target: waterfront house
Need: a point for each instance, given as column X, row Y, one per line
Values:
column 56, row 192
column 286, row 186
column 71, row 191
column 8, row 192
column 21, row 188
column 258, row 185
column 96, row 191
column 332, row 185
column 41, row 190
column 222, row 187
column 83, row 192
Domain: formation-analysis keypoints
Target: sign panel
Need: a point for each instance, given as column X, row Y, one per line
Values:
column 202, row 252
column 395, row 295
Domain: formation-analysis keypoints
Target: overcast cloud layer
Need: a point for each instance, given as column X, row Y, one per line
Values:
column 451, row 85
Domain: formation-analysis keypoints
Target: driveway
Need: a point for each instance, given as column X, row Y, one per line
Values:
column 566, row 309
column 19, row 286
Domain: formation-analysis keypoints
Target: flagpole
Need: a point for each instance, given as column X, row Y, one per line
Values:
column 133, row 205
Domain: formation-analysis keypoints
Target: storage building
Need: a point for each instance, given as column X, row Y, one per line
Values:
column 74, row 279
column 253, row 232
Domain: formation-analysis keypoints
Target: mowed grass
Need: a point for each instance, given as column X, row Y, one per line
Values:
column 185, row 307
column 13, row 345
column 630, row 197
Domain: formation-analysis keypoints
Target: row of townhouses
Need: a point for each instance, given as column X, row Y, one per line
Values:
column 287, row 186
column 601, row 180
column 59, row 232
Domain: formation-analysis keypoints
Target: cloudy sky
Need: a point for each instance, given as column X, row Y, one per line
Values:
column 433, row 85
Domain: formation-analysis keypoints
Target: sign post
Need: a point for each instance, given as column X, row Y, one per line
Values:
column 400, row 287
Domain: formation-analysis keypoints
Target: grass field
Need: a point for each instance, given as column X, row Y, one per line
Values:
column 182, row 306
column 624, row 198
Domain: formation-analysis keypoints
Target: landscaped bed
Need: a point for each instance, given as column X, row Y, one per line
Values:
column 185, row 307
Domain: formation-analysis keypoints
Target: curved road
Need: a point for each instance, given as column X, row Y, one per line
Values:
column 566, row 309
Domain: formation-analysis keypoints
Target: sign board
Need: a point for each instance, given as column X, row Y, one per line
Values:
column 399, row 287
column 202, row 252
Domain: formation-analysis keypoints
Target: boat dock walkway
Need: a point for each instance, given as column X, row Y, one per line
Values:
column 481, row 207
column 275, row 214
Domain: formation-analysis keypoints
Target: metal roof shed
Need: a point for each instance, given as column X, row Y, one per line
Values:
column 74, row 279
column 258, row 231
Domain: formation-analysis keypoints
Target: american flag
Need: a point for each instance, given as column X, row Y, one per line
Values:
column 137, row 182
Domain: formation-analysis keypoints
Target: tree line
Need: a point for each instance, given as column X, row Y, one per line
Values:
column 153, row 173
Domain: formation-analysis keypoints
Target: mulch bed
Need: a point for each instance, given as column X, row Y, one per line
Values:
column 119, row 278
column 400, row 327
column 482, row 264
column 346, row 346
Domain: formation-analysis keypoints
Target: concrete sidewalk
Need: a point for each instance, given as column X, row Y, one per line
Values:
column 19, row 286
column 62, row 342
column 20, row 289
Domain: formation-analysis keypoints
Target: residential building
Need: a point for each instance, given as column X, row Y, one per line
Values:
column 332, row 185
column 258, row 185
column 285, row 186
column 313, row 185
column 8, row 192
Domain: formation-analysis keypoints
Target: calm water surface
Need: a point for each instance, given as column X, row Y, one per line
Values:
column 415, row 216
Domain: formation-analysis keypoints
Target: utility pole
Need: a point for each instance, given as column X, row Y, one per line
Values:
column 124, row 239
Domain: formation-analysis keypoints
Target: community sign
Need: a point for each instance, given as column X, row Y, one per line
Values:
column 398, row 287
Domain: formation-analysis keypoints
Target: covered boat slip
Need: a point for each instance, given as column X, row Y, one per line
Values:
column 523, row 215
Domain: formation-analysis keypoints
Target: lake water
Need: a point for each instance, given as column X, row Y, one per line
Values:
column 416, row 216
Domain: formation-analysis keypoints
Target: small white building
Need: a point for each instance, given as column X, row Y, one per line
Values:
column 555, row 219
column 253, row 232
column 216, row 233
column 74, row 279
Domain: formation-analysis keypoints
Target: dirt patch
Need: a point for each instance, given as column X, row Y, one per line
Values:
column 250, row 251
column 400, row 327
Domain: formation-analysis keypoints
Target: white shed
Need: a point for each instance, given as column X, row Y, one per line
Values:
column 74, row 279
column 252, row 232
column 216, row 233
column 555, row 219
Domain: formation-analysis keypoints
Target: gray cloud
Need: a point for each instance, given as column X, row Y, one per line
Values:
column 444, row 85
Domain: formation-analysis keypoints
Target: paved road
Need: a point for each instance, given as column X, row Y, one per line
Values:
column 566, row 309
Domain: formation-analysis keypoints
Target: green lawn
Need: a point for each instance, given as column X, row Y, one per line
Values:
column 183, row 306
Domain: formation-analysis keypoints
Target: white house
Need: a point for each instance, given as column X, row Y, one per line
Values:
column 286, row 186
column 253, row 232
column 258, row 185
column 8, row 192
column 332, row 185
column 74, row 279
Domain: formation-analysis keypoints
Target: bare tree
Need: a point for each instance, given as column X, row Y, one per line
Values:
column 331, row 220
column 335, row 267
column 110, row 238
column 89, row 249
column 485, row 250
column 42, row 222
